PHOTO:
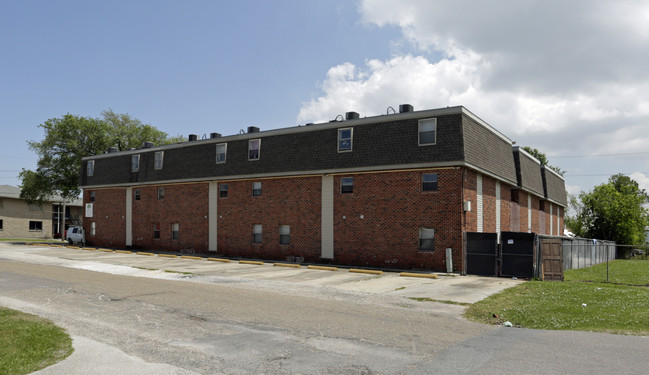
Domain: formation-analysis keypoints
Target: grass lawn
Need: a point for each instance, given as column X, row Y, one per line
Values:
column 577, row 303
column 29, row 343
column 620, row 271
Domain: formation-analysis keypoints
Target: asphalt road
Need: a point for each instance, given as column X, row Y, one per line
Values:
column 130, row 325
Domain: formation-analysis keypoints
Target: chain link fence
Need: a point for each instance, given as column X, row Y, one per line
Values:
column 604, row 261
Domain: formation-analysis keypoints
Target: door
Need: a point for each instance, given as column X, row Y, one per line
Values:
column 517, row 254
column 552, row 264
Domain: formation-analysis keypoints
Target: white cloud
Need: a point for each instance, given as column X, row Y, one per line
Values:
column 641, row 179
column 565, row 77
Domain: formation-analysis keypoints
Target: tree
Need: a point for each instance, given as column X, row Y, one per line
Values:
column 543, row 159
column 70, row 138
column 614, row 211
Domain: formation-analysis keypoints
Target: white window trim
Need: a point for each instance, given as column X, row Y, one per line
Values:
column 225, row 152
column 137, row 165
column 342, row 184
column 256, row 232
column 287, row 232
column 253, row 188
column 258, row 150
column 419, row 131
column 90, row 168
column 155, row 160
column 351, row 139
column 426, row 229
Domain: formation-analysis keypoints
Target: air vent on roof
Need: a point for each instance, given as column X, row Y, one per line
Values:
column 112, row 149
column 147, row 144
column 215, row 135
column 351, row 115
column 403, row 108
column 193, row 137
column 253, row 129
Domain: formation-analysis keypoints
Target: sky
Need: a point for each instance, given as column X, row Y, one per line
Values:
column 569, row 78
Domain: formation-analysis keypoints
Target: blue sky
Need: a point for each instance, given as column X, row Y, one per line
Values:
column 569, row 79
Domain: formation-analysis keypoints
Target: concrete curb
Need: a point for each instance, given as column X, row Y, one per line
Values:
column 219, row 260
column 371, row 272
column 421, row 275
column 292, row 265
column 251, row 262
column 323, row 268
column 190, row 257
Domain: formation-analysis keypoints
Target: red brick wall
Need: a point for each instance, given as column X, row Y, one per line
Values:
column 393, row 208
column 185, row 204
column 109, row 215
column 505, row 208
column 284, row 201
column 470, row 195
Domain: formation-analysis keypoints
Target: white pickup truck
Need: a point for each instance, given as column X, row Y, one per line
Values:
column 75, row 234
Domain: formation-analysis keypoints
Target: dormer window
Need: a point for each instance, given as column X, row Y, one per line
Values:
column 345, row 137
column 254, row 147
column 90, row 168
column 427, row 132
column 158, row 160
column 135, row 163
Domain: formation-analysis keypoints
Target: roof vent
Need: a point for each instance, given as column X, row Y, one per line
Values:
column 112, row 149
column 193, row 137
column 403, row 108
column 253, row 129
column 351, row 115
column 147, row 144
column 215, row 135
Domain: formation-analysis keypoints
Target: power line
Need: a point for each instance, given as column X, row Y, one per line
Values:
column 602, row 175
column 587, row 156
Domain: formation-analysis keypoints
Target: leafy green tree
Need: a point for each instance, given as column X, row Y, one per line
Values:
column 70, row 138
column 543, row 159
column 614, row 211
column 574, row 218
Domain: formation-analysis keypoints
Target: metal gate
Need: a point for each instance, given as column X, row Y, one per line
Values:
column 481, row 253
column 517, row 254
column 552, row 259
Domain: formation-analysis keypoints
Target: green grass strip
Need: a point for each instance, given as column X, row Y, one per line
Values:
column 598, row 307
column 29, row 343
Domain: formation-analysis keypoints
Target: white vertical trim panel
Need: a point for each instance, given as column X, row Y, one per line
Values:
column 128, row 241
column 498, row 208
column 327, row 217
column 480, row 222
column 529, row 213
column 212, row 212
column 551, row 221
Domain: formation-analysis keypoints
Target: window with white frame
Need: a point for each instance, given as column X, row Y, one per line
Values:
column 429, row 182
column 284, row 234
column 90, row 168
column 345, row 137
column 135, row 163
column 256, row 189
column 137, row 194
column 256, row 233
column 347, row 185
column 427, row 132
column 221, row 152
column 223, row 190
column 158, row 160
column 175, row 231
column 254, row 148
column 426, row 239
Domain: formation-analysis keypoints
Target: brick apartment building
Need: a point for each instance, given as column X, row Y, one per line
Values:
column 389, row 191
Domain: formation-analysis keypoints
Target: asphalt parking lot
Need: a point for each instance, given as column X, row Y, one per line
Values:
column 446, row 287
